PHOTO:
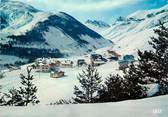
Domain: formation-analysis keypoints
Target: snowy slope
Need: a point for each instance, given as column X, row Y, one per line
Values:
column 99, row 23
column 50, row 90
column 133, row 32
column 56, row 88
column 60, row 88
column 15, row 15
column 137, row 108
column 147, row 13
column 152, row 107
column 97, row 26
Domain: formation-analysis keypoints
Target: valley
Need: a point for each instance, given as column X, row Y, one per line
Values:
column 58, row 48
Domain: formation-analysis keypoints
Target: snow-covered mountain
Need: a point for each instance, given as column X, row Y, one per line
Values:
column 15, row 14
column 134, row 31
column 97, row 25
column 29, row 32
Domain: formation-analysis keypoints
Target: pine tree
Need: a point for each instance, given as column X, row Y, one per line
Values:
column 28, row 90
column 152, row 66
column 63, row 102
column 114, row 89
column 2, row 100
column 160, row 59
column 134, row 83
column 90, row 82
column 13, row 98
column 23, row 96
column 157, row 71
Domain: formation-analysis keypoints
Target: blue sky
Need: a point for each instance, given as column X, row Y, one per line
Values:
column 104, row 10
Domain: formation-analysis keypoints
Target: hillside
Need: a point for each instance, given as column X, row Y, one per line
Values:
column 134, row 31
column 97, row 25
column 27, row 32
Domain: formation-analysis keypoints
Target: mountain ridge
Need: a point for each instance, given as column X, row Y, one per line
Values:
column 44, row 34
column 134, row 31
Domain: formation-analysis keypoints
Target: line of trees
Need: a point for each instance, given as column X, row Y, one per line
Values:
column 151, row 68
column 115, row 88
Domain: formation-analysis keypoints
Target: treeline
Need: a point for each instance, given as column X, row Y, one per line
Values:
column 25, row 52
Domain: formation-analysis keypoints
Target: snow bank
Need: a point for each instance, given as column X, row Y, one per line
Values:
column 152, row 107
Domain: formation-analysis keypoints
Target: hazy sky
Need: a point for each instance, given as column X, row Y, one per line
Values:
column 96, row 9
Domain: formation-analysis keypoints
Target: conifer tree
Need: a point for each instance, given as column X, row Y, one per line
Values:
column 160, row 59
column 114, row 89
column 13, row 98
column 157, row 71
column 90, row 82
column 134, row 83
column 28, row 90
column 2, row 100
column 23, row 96
column 152, row 66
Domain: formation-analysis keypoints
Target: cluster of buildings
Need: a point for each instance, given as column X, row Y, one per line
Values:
column 53, row 66
column 123, row 61
column 99, row 59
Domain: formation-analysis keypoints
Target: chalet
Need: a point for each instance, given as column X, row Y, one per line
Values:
column 66, row 64
column 53, row 67
column 112, row 55
column 57, row 63
column 42, row 67
column 127, row 59
column 41, row 60
column 97, row 59
column 98, row 62
column 81, row 62
column 57, row 74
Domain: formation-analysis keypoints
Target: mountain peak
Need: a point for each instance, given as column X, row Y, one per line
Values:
column 98, row 23
column 15, row 14
column 16, row 5
column 36, row 33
